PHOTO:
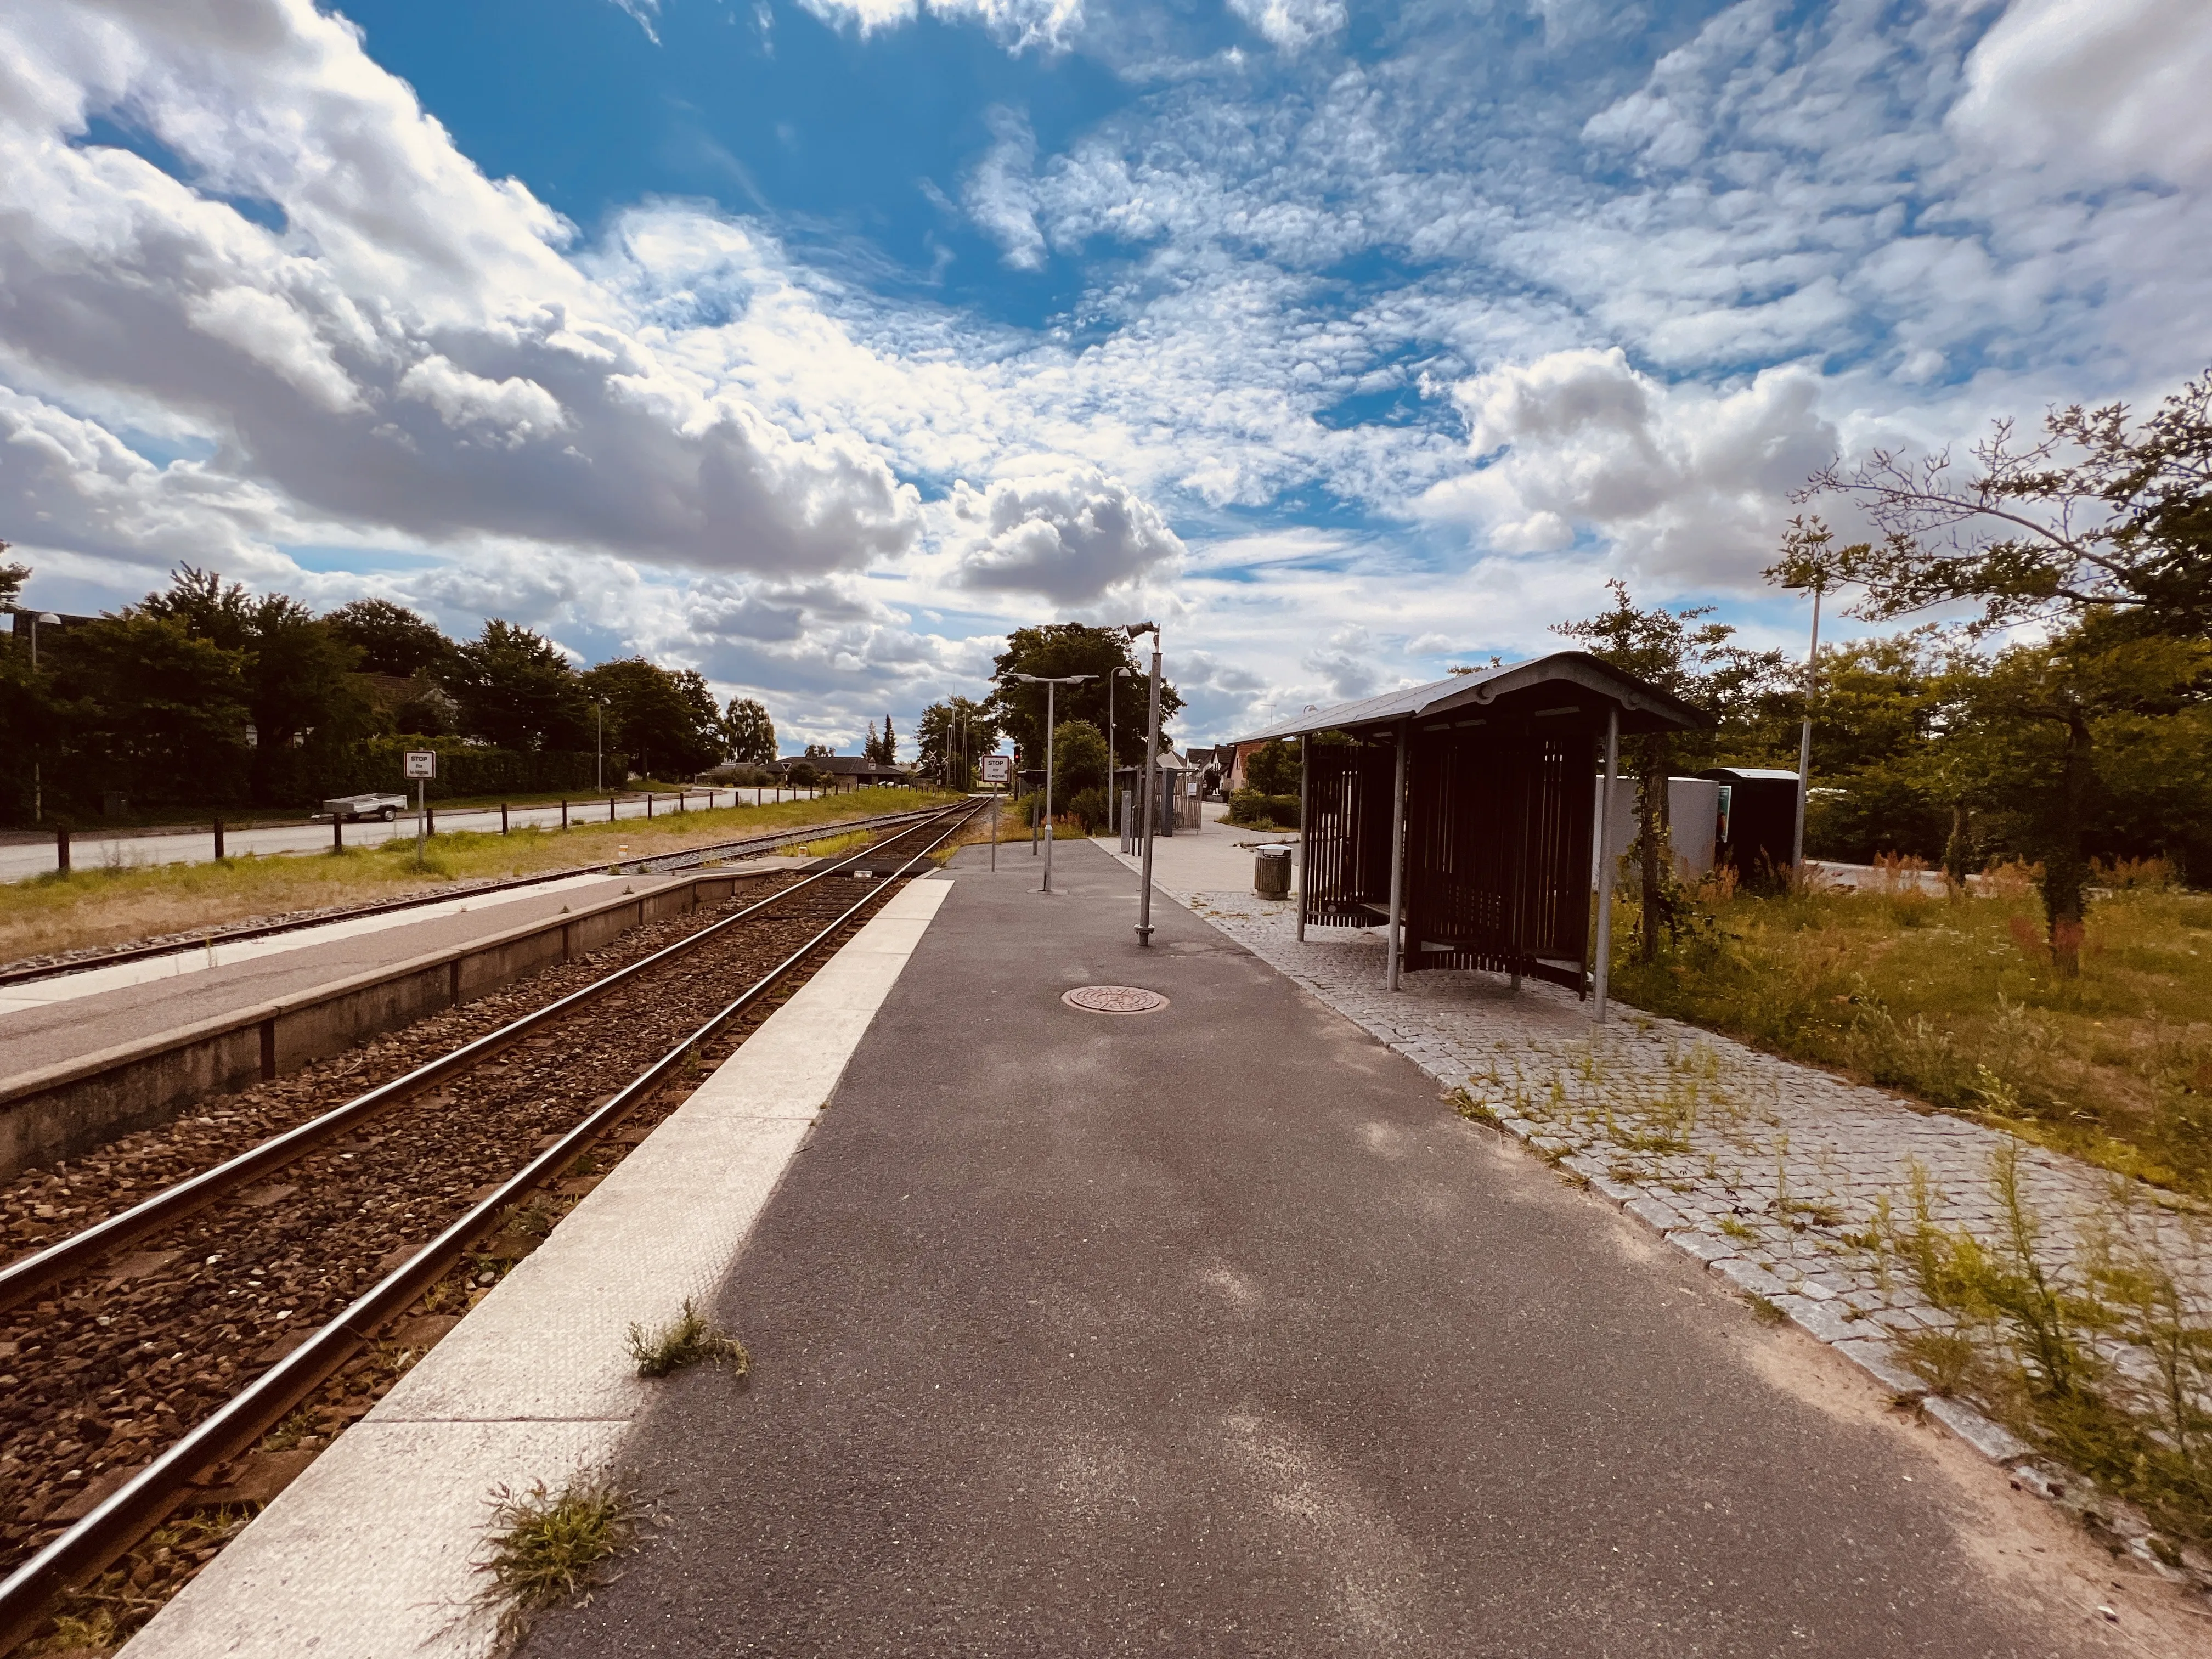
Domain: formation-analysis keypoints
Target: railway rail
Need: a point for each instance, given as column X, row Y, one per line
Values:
column 399, row 1160
column 741, row 847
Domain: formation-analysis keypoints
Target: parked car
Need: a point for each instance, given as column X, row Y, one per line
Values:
column 353, row 809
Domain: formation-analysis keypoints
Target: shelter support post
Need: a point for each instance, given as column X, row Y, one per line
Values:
column 1397, row 861
column 1602, row 969
column 1298, row 875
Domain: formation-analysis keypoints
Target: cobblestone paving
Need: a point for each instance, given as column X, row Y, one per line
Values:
column 1778, row 1176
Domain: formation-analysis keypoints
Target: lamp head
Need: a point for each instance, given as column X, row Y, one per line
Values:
column 47, row 619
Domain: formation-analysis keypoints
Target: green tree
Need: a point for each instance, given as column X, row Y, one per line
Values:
column 1682, row 653
column 515, row 691
column 297, row 667
column 2040, row 724
column 1061, row 648
column 1078, row 757
column 2099, row 516
column 391, row 639
column 952, row 735
column 151, row 707
column 887, row 746
column 1273, row 768
column 748, row 734
column 666, row 722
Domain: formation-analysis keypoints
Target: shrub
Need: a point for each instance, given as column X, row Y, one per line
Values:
column 1251, row 806
column 1087, row 808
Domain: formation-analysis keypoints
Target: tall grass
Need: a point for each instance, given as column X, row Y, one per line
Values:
column 113, row 904
column 1954, row 1000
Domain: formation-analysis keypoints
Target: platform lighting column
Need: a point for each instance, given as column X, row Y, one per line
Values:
column 1397, row 858
column 1149, row 799
column 1805, row 736
column 1603, row 971
column 1050, row 683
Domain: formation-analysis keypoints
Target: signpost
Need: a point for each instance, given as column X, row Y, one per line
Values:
column 997, row 767
column 421, row 765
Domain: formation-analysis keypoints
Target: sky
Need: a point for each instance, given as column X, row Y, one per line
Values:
column 816, row 343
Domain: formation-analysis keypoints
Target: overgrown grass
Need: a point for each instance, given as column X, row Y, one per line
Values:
column 689, row 1339
column 1954, row 1000
column 2100, row 1355
column 106, row 906
column 544, row 1548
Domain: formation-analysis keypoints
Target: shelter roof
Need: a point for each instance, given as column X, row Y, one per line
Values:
column 1643, row 707
column 1749, row 773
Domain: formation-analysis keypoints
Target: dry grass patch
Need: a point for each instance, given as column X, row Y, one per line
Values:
column 119, row 904
column 1954, row 1001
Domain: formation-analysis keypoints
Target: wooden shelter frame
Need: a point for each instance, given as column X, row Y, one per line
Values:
column 1458, row 817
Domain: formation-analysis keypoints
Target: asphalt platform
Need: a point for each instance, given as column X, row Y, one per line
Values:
column 1214, row 1331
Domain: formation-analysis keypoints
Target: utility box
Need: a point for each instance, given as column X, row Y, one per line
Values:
column 1757, row 831
column 1271, row 872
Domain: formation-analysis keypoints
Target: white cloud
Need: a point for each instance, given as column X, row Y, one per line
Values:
column 1001, row 192
column 1685, row 483
column 1291, row 24
column 1019, row 23
column 2096, row 89
column 1069, row 534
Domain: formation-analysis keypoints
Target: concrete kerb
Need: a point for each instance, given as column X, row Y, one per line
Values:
column 59, row 1110
column 369, row 1552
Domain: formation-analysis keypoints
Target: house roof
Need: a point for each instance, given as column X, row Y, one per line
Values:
column 1643, row 707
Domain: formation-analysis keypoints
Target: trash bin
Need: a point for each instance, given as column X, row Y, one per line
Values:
column 1271, row 872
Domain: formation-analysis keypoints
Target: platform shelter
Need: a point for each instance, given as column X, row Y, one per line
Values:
column 1458, row 815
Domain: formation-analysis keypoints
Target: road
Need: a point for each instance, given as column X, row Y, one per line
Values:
column 89, row 850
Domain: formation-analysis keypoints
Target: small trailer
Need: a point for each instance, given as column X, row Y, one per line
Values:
column 359, row 809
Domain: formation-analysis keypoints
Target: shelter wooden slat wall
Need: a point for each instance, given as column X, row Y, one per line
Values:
column 1498, row 870
column 1347, row 835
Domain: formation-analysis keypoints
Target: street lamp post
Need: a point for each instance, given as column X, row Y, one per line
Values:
column 599, row 746
column 1805, row 740
column 1114, row 755
column 1050, row 684
column 1145, row 804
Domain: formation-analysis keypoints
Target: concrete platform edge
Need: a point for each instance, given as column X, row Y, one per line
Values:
column 367, row 1554
column 65, row 1109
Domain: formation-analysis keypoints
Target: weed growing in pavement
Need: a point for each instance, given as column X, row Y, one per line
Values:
column 1766, row 1312
column 1736, row 1230
column 688, row 1340
column 544, row 1548
column 1472, row 1110
column 2103, row 1359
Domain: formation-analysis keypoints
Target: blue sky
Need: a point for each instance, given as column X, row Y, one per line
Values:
column 817, row 345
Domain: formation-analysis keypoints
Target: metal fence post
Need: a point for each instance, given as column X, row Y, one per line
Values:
column 502, row 818
column 218, row 841
column 61, row 848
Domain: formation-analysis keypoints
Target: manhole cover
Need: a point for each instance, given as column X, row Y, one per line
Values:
column 1115, row 999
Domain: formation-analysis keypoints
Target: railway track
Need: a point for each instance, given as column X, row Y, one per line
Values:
column 169, row 1340
column 24, row 973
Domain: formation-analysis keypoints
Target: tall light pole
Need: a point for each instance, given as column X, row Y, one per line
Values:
column 1144, row 799
column 1114, row 755
column 1805, row 738
column 38, row 774
column 1050, row 684
column 599, row 746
